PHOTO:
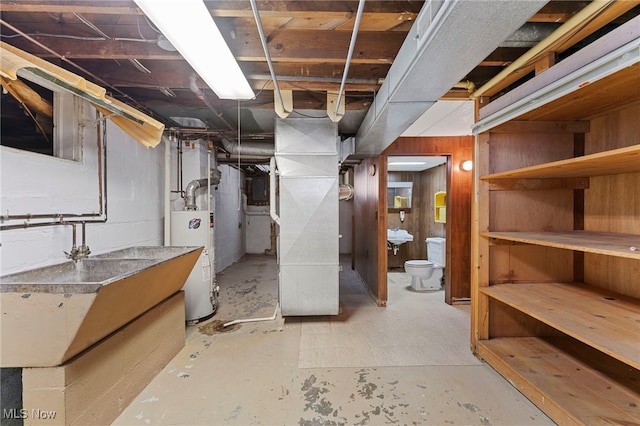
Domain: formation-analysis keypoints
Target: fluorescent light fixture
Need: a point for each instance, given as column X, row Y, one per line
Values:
column 407, row 163
column 188, row 25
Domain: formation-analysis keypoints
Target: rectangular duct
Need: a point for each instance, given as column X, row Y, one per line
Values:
column 308, row 253
column 449, row 38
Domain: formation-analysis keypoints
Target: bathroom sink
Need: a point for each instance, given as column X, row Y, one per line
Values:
column 52, row 313
column 399, row 236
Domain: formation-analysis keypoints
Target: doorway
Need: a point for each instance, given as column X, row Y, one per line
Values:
column 412, row 185
column 456, row 149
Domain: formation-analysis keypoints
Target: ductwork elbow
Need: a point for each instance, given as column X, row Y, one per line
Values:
column 345, row 192
column 190, row 193
column 193, row 186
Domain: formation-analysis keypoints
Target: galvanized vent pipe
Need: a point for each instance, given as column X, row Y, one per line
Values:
column 257, row 149
column 194, row 185
column 345, row 192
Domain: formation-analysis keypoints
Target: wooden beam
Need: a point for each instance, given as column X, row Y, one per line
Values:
column 545, row 62
column 543, row 127
column 290, row 46
column 323, row 9
column 579, row 32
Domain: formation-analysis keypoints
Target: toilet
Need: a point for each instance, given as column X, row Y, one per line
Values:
column 427, row 274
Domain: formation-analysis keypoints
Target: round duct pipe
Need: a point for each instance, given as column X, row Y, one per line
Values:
column 345, row 192
column 194, row 185
column 256, row 149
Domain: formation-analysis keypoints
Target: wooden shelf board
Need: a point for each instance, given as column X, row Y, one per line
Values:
column 622, row 160
column 568, row 389
column 604, row 320
column 587, row 241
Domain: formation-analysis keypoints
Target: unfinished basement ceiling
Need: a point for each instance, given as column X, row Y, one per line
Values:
column 112, row 44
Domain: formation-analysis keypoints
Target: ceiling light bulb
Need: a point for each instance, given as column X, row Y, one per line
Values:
column 467, row 165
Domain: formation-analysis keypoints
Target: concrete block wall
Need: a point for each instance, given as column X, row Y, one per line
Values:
column 34, row 183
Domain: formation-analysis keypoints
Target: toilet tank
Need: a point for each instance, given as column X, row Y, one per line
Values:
column 436, row 250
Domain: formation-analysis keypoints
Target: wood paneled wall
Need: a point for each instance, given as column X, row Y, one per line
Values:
column 612, row 203
column 368, row 236
column 458, row 228
column 371, row 216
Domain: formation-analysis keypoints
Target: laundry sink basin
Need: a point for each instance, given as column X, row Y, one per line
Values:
column 144, row 252
column 53, row 313
column 398, row 236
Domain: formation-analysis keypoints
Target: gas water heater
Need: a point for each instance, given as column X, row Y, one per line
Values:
column 194, row 228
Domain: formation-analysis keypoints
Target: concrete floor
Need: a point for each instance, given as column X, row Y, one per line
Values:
column 406, row 364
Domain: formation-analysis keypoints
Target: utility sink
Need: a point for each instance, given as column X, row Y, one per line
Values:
column 398, row 236
column 53, row 313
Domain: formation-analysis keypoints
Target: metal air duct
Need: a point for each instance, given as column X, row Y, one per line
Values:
column 194, row 185
column 254, row 149
column 424, row 69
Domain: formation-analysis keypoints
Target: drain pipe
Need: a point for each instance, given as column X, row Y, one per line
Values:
column 167, row 190
column 272, row 191
column 271, row 318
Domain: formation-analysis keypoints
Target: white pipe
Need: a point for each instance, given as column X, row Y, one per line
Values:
column 167, row 190
column 271, row 318
column 272, row 190
column 209, row 181
column 352, row 45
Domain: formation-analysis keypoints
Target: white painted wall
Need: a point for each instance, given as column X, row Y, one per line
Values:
column 34, row 183
column 229, row 228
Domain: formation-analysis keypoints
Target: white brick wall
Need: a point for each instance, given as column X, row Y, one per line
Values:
column 33, row 183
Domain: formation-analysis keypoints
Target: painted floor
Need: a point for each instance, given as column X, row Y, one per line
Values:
column 406, row 364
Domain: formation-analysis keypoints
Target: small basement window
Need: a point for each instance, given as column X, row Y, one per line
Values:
column 39, row 119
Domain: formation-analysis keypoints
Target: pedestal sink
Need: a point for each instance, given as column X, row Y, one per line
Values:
column 397, row 237
column 53, row 313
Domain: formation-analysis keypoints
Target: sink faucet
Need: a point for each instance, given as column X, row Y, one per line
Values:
column 76, row 252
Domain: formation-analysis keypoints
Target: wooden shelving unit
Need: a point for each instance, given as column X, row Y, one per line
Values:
column 622, row 245
column 556, row 252
column 564, row 307
column 622, row 160
column 440, row 206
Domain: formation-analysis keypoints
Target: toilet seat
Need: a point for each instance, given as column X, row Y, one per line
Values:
column 419, row 263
